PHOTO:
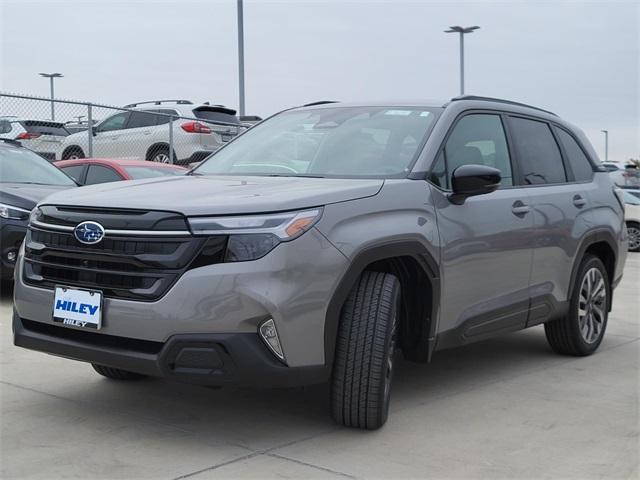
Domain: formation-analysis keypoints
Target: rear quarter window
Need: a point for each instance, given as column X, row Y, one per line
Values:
column 579, row 162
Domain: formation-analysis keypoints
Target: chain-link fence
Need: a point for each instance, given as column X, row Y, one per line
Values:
column 168, row 131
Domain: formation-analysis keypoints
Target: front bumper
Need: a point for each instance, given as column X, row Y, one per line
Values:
column 293, row 285
column 206, row 359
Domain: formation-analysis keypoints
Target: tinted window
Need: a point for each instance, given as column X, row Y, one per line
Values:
column 477, row 139
column 538, row 152
column 74, row 171
column 331, row 142
column 141, row 119
column 45, row 128
column 100, row 174
column 114, row 123
column 580, row 164
column 162, row 119
column 5, row 126
column 19, row 165
column 216, row 114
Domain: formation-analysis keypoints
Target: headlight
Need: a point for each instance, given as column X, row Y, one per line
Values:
column 250, row 237
column 14, row 213
column 286, row 226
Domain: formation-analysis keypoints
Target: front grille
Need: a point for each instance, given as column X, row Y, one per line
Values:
column 127, row 266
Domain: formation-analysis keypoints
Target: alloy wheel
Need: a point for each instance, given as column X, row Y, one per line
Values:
column 592, row 304
column 633, row 233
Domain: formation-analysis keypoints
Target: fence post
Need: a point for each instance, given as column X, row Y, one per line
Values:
column 90, row 130
column 171, row 140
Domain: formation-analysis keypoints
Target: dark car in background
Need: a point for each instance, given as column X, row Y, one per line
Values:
column 42, row 136
column 25, row 179
column 91, row 171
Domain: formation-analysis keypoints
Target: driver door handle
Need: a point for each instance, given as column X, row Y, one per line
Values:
column 579, row 201
column 519, row 208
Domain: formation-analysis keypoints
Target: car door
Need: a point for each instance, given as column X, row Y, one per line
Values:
column 134, row 141
column 107, row 134
column 560, row 204
column 486, row 248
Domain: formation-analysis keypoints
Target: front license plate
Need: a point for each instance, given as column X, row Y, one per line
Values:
column 76, row 307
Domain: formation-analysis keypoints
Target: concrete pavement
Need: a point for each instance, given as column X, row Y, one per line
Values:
column 504, row 408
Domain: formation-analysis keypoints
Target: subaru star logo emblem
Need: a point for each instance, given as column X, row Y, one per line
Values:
column 89, row 232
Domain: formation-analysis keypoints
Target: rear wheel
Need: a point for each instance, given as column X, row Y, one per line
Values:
column 581, row 331
column 116, row 373
column 72, row 153
column 159, row 154
column 633, row 233
column 365, row 347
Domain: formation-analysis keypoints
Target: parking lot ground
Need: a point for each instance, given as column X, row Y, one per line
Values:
column 503, row 408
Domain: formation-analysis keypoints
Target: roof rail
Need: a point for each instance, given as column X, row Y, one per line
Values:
column 159, row 102
column 320, row 102
column 500, row 100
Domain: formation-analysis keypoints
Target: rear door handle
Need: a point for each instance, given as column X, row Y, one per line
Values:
column 579, row 201
column 519, row 208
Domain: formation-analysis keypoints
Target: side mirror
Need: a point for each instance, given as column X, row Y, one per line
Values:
column 94, row 130
column 471, row 180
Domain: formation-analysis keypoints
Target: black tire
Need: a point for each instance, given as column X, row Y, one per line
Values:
column 633, row 233
column 116, row 373
column 567, row 335
column 363, row 366
column 159, row 154
column 72, row 153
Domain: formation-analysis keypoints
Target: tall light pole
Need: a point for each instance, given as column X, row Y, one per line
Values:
column 241, row 56
column 461, row 31
column 51, row 76
column 606, row 145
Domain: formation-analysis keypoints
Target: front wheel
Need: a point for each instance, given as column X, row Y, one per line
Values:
column 365, row 347
column 581, row 331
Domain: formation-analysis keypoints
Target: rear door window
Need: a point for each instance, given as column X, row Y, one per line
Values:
column 100, row 174
column 538, row 153
column 580, row 164
column 141, row 119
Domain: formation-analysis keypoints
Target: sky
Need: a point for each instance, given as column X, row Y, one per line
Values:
column 578, row 59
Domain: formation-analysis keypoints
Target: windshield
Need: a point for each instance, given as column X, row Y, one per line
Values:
column 632, row 198
column 327, row 142
column 149, row 172
column 19, row 165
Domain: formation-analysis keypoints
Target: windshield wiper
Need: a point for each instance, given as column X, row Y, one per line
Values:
column 303, row 175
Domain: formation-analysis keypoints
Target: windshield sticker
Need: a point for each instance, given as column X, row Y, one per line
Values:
column 398, row 112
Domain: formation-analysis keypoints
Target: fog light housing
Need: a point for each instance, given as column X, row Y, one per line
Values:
column 269, row 335
column 11, row 256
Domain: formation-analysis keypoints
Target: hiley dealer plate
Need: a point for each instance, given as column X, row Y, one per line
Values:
column 77, row 307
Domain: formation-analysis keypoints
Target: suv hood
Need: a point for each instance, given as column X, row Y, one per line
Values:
column 25, row 195
column 219, row 195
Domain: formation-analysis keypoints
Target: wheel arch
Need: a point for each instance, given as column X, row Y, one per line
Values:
column 408, row 260
column 71, row 148
column 151, row 150
column 602, row 244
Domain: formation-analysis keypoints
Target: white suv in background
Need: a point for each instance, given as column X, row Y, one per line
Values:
column 142, row 132
column 42, row 136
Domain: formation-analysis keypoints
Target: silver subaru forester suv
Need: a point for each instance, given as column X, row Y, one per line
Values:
column 326, row 240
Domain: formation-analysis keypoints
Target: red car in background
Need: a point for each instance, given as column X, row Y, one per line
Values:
column 91, row 171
